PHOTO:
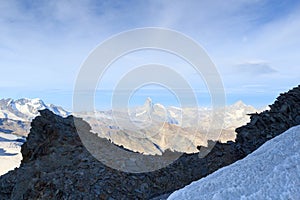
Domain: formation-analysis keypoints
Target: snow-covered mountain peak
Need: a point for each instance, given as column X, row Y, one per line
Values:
column 239, row 104
column 15, row 117
column 25, row 109
column 148, row 105
column 148, row 100
column 10, row 101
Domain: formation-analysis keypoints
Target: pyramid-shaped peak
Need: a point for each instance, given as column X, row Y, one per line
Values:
column 148, row 102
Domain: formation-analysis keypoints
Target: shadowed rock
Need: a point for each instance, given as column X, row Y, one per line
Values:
column 56, row 165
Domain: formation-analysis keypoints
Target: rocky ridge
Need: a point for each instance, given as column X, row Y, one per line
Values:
column 283, row 114
column 56, row 165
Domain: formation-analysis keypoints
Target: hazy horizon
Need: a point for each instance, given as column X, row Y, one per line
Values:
column 103, row 99
column 254, row 45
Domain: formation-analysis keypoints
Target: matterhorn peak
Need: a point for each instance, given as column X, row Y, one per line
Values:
column 148, row 101
column 148, row 105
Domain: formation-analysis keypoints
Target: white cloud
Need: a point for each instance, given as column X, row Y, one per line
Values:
column 254, row 68
column 48, row 40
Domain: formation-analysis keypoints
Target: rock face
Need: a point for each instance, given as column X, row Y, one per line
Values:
column 284, row 113
column 56, row 165
column 270, row 172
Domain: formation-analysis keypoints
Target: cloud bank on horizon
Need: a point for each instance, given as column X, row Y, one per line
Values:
column 254, row 44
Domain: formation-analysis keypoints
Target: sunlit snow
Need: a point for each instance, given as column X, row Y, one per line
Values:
column 271, row 172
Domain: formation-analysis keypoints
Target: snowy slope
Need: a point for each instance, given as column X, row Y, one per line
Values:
column 10, row 155
column 270, row 172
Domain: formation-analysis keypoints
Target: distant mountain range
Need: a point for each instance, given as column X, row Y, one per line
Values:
column 56, row 164
column 26, row 109
column 153, row 128
column 235, row 115
column 161, row 127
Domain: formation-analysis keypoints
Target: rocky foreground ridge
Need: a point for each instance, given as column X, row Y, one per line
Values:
column 56, row 165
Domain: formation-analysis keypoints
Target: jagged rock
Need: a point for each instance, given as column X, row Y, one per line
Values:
column 56, row 165
column 284, row 114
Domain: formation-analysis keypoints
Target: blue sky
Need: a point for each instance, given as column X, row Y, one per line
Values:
column 254, row 43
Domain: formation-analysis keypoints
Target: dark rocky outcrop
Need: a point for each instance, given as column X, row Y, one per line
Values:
column 56, row 165
column 283, row 114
